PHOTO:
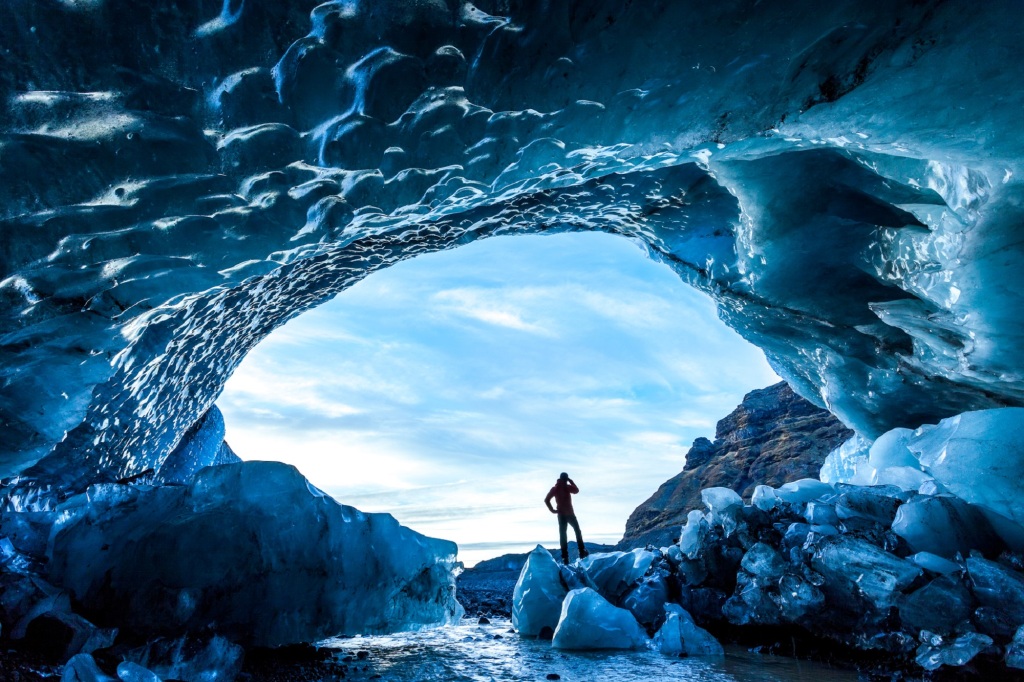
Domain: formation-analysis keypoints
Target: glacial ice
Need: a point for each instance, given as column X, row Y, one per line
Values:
column 588, row 621
column 271, row 544
column 864, row 568
column 694, row 531
column 936, row 653
column 1015, row 650
column 538, row 594
column 946, row 526
column 133, row 672
column 178, row 183
column 204, row 658
column 724, row 506
column 616, row 573
column 680, row 635
column 83, row 668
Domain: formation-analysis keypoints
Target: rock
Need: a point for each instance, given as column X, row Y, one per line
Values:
column 772, row 437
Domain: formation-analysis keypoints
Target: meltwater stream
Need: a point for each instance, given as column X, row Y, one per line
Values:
column 470, row 652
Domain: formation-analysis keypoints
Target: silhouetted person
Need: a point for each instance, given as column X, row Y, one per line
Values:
column 562, row 492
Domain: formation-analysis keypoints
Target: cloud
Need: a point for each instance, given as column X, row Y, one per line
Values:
column 485, row 306
column 451, row 389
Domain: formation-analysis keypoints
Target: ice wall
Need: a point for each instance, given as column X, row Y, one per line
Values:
column 179, row 178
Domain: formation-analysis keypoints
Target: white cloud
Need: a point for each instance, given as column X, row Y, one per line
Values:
column 486, row 306
column 450, row 390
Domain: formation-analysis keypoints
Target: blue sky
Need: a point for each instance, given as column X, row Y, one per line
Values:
column 451, row 390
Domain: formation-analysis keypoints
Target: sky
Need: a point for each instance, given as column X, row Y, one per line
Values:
column 450, row 390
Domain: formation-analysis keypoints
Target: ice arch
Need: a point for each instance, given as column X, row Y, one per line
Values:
column 179, row 179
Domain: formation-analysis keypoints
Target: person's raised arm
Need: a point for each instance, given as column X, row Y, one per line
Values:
column 572, row 486
column 547, row 501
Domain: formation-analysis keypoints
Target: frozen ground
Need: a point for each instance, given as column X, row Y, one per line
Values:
column 481, row 653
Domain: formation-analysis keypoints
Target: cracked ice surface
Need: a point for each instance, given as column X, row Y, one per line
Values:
column 177, row 180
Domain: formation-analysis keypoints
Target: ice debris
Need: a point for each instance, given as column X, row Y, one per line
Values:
column 83, row 668
column 538, row 594
column 589, row 621
column 680, row 635
column 202, row 658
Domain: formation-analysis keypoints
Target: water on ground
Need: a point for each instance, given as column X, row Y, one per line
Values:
column 471, row 652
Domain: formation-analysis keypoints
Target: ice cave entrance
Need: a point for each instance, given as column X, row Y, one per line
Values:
column 449, row 390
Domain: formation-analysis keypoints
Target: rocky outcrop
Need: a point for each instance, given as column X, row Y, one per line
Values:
column 772, row 437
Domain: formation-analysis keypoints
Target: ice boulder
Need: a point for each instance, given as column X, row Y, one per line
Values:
column 848, row 463
column 945, row 525
column 725, row 506
column 803, row 491
column 997, row 587
column 616, row 573
column 83, row 668
column 764, row 498
column 857, row 565
column 646, row 601
column 201, row 658
column 680, row 635
column 133, row 672
column 538, row 594
column 589, row 621
column 876, row 503
column 692, row 537
column 1015, row 650
column 978, row 456
column 242, row 541
column 937, row 651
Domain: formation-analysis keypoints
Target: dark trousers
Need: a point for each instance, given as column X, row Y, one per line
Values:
column 569, row 520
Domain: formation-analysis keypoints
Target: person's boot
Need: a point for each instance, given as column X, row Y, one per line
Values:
column 565, row 559
column 584, row 554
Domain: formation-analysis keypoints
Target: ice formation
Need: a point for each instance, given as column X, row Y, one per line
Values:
column 281, row 562
column 680, row 635
column 180, row 181
column 589, row 621
column 538, row 594
column 177, row 180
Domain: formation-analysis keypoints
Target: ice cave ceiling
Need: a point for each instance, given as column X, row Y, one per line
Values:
column 178, row 178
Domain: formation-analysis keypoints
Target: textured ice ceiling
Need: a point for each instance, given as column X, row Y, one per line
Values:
column 178, row 178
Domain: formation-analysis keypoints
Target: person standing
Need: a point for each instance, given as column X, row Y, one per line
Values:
column 562, row 493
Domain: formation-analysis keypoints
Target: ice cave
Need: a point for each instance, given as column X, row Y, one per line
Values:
column 178, row 178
